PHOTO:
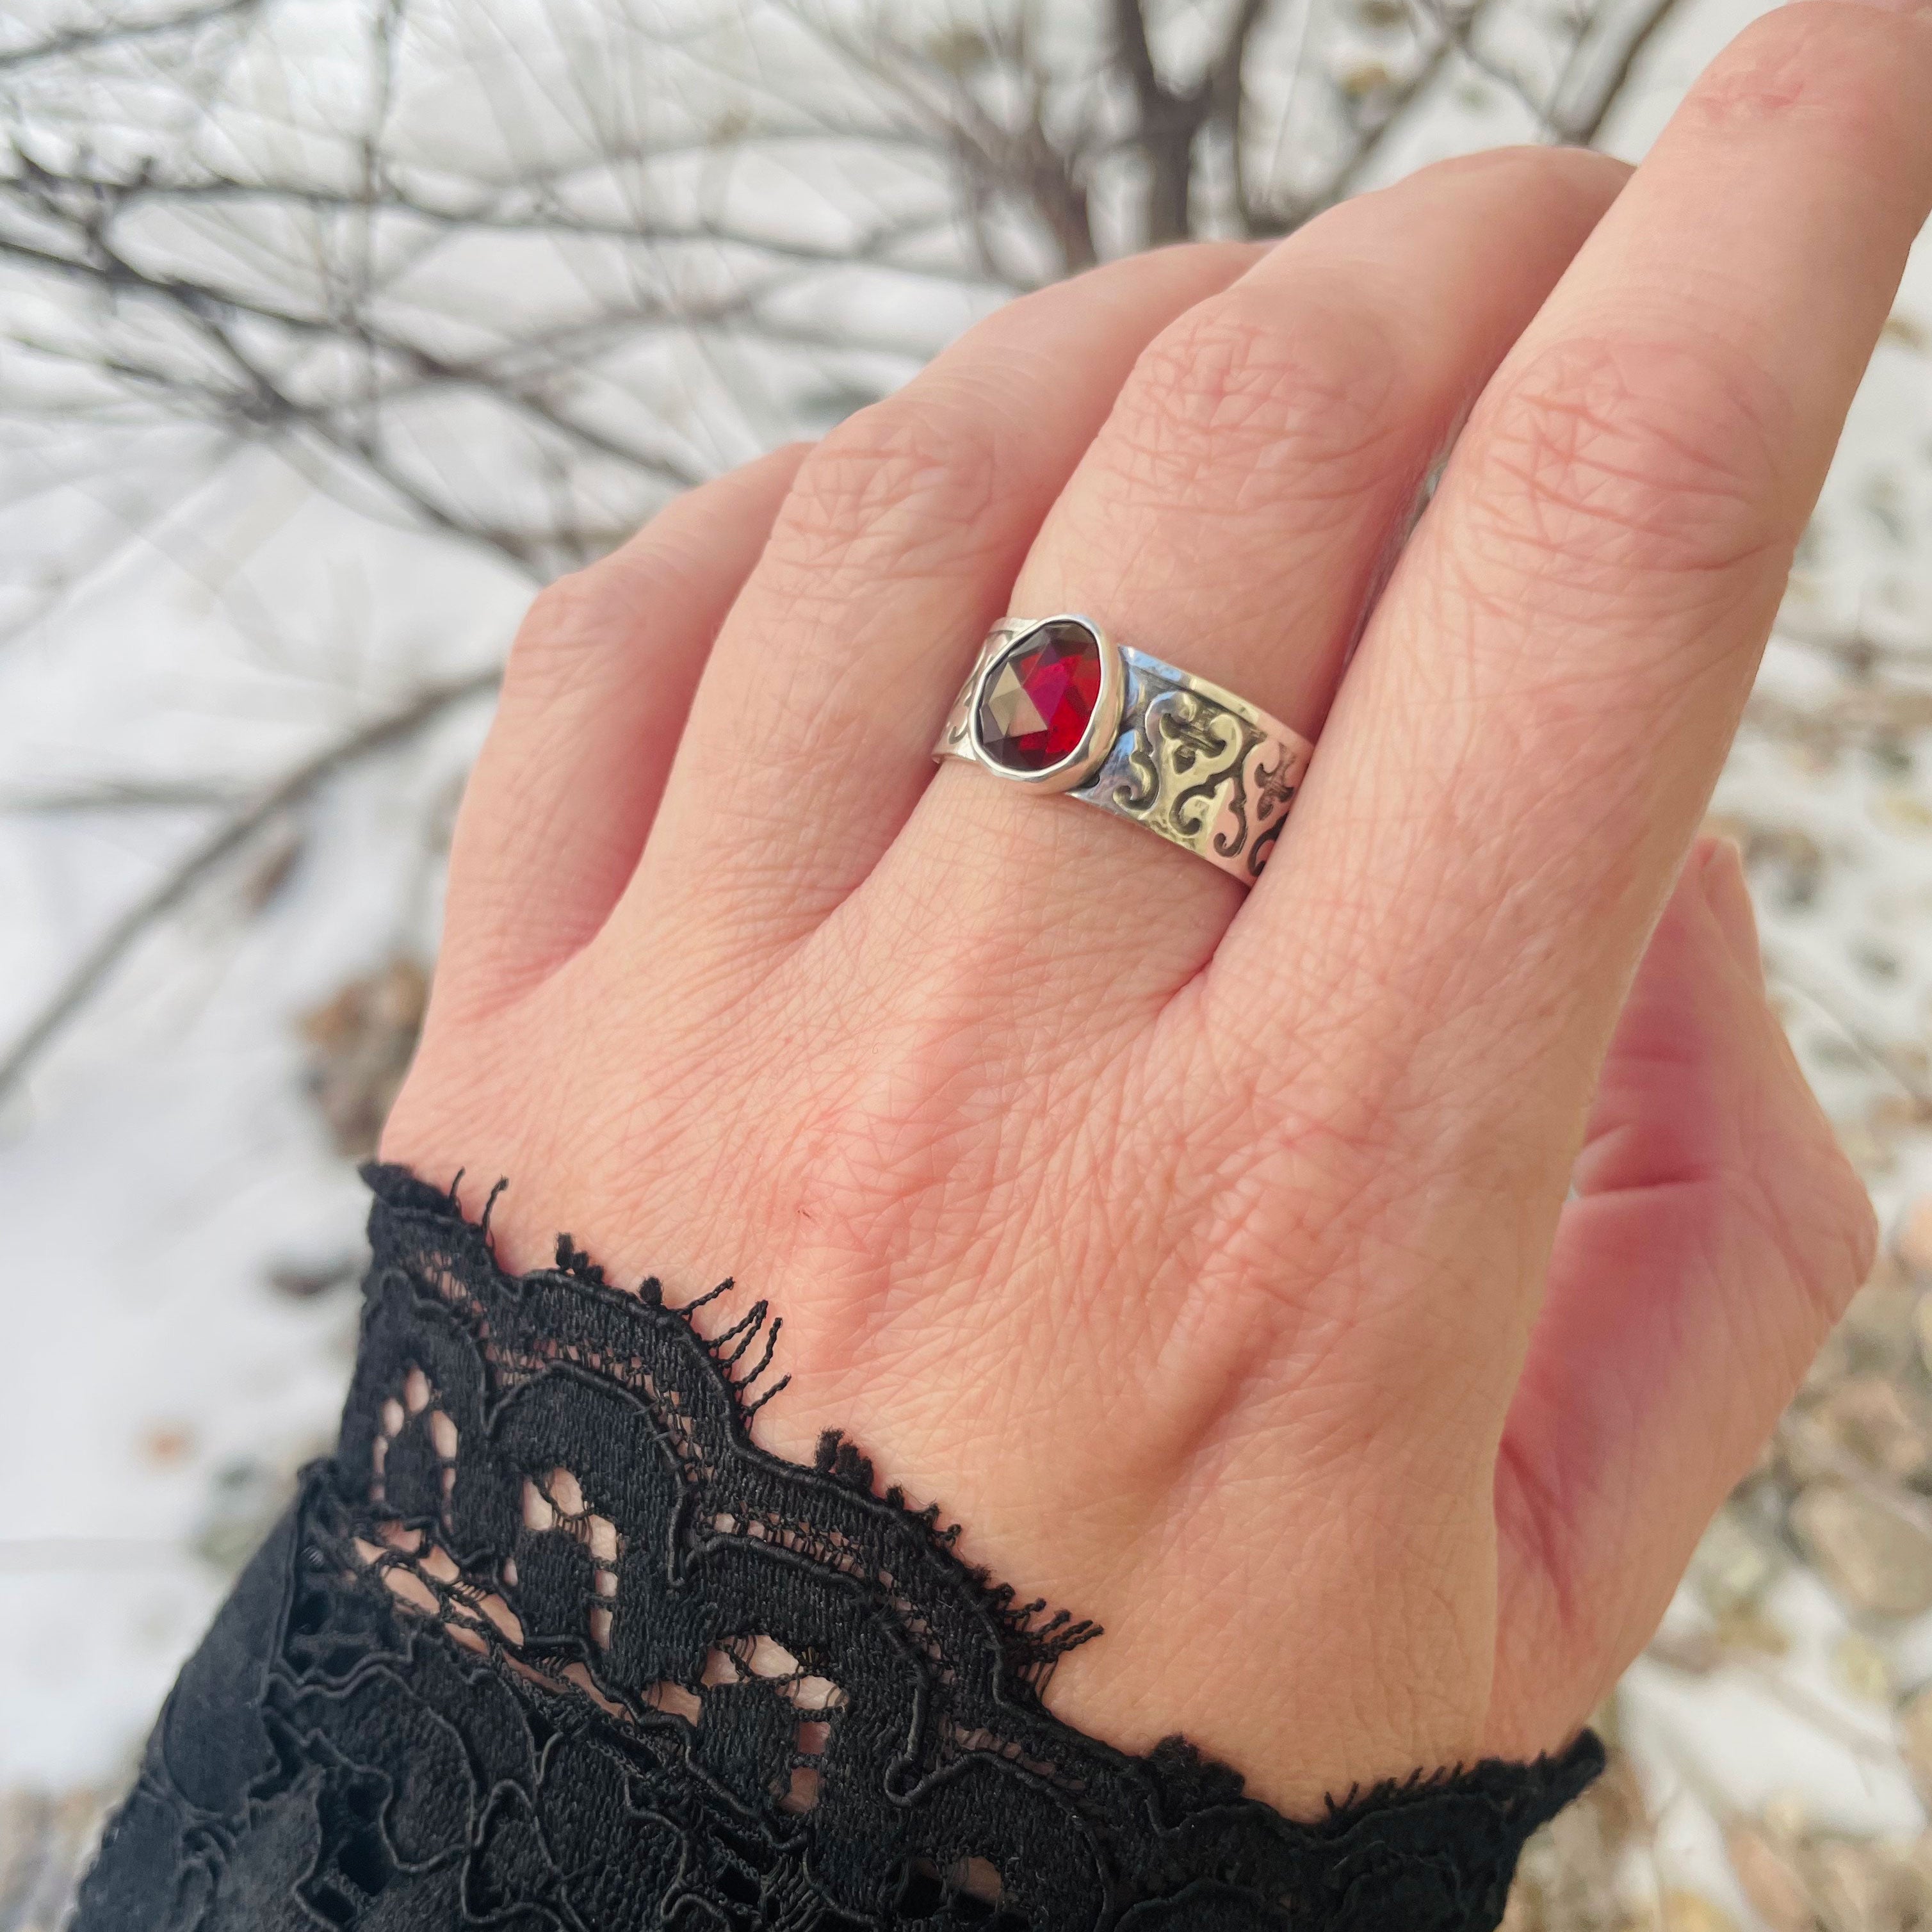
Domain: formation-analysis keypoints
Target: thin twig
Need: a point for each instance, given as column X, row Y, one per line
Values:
column 1372, row 135
column 121, row 33
column 1460, row 33
column 294, row 788
column 1583, row 125
column 118, row 795
column 1861, row 1039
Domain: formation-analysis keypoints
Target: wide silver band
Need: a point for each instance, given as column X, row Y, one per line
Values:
column 1164, row 749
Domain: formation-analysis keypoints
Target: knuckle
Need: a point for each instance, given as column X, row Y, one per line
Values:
column 577, row 620
column 1238, row 401
column 1619, row 468
column 569, row 623
column 1819, row 61
column 894, row 490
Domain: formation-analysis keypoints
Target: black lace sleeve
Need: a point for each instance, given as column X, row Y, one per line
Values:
column 550, row 1646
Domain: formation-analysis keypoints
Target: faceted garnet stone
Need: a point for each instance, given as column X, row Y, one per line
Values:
column 1036, row 706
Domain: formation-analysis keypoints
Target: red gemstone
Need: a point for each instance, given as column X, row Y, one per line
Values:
column 1035, row 708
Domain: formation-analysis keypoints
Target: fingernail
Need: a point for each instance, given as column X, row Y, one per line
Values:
column 1728, row 895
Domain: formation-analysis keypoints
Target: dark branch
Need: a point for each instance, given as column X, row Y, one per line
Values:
column 118, row 795
column 1373, row 130
column 292, row 789
column 123, row 33
column 1169, row 122
column 1582, row 124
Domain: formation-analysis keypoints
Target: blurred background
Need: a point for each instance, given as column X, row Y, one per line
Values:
column 329, row 329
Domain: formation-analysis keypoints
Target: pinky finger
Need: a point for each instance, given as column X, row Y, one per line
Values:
column 596, row 693
column 1716, row 1233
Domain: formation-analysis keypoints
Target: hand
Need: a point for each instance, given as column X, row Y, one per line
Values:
column 1209, row 1258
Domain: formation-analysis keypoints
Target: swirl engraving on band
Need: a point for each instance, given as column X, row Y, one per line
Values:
column 1202, row 745
column 1173, row 733
column 1134, row 794
column 1197, row 766
column 1274, row 792
column 1201, row 772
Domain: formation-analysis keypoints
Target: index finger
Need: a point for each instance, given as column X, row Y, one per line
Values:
column 1522, row 751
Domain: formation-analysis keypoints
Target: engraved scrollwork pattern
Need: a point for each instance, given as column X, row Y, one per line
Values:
column 1274, row 788
column 1187, row 761
column 1197, row 771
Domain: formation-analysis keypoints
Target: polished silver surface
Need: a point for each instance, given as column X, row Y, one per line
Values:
column 1164, row 749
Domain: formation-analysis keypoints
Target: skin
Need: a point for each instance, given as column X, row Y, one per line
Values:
column 1358, row 1295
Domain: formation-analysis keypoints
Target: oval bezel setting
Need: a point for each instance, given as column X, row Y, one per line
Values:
column 1103, row 724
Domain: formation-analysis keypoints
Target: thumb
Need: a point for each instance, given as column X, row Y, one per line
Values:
column 1715, row 1233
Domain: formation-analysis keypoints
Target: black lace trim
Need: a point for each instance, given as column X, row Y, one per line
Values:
column 551, row 1646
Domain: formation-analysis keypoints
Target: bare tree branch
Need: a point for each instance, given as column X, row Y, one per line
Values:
column 1583, row 123
column 1371, row 134
column 1169, row 122
column 118, row 795
column 119, row 34
column 1458, row 30
column 1227, row 76
column 880, row 243
column 294, row 788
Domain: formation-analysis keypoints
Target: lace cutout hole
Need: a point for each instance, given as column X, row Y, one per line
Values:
column 769, row 1658
column 978, row 1878
column 674, row 1700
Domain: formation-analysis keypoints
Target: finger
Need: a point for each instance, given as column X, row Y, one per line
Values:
column 1716, row 1234
column 594, row 695
column 1540, row 706
column 811, row 739
column 1238, row 509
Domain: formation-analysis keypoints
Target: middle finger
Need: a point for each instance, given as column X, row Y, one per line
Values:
column 1234, row 516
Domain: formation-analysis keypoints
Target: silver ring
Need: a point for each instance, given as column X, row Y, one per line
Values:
column 1055, row 703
